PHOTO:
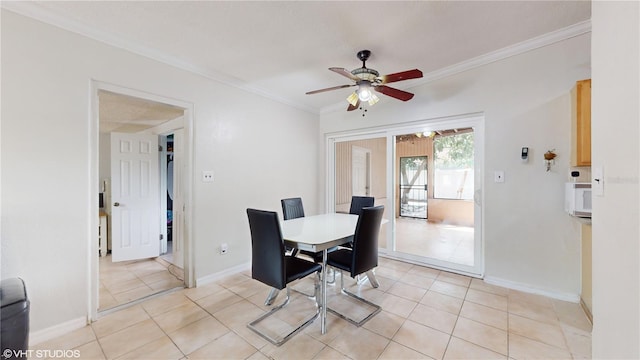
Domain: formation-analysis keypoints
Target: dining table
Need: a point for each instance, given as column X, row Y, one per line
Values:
column 319, row 233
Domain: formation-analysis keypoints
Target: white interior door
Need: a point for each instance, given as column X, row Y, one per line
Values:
column 360, row 171
column 134, row 194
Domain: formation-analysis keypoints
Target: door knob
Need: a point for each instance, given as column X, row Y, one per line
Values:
column 116, row 204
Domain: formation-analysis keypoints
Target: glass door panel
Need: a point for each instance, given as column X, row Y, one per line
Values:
column 413, row 187
column 360, row 170
column 447, row 237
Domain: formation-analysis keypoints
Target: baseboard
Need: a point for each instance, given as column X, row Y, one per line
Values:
column 37, row 337
column 586, row 310
column 574, row 298
column 224, row 273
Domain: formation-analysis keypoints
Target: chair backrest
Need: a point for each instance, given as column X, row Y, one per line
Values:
column 267, row 248
column 292, row 208
column 365, row 240
column 359, row 202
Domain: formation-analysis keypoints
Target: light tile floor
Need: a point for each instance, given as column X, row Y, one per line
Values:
column 126, row 281
column 439, row 241
column 427, row 314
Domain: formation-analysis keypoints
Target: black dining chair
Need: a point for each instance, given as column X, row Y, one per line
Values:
column 292, row 209
column 362, row 258
column 357, row 203
column 272, row 267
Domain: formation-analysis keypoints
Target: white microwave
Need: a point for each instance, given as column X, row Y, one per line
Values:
column 577, row 200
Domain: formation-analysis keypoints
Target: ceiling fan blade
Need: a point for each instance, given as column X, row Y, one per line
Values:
column 329, row 89
column 344, row 72
column 404, row 75
column 354, row 107
column 395, row 93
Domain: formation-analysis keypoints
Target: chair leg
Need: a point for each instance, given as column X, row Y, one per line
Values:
column 313, row 296
column 376, row 308
column 278, row 342
column 369, row 275
column 333, row 278
column 372, row 279
column 316, row 290
column 273, row 294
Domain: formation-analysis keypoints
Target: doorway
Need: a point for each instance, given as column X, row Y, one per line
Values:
column 172, row 198
column 432, row 196
column 446, row 237
column 141, row 115
column 413, row 187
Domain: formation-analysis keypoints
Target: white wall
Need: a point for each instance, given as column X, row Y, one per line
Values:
column 529, row 241
column 615, row 117
column 250, row 142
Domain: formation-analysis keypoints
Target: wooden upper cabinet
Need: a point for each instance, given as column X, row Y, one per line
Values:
column 581, row 123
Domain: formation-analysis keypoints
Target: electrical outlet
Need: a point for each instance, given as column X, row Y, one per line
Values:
column 224, row 248
column 207, row 176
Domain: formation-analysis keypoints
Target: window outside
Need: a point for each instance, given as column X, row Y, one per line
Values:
column 453, row 166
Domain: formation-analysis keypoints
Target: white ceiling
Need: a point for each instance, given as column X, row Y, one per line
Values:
column 282, row 49
column 128, row 114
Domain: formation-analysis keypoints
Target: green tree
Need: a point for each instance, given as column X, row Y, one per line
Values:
column 453, row 151
column 417, row 163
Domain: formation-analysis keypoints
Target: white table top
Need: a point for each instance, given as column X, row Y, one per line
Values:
column 318, row 232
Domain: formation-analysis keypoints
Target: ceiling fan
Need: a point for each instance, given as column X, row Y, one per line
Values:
column 369, row 79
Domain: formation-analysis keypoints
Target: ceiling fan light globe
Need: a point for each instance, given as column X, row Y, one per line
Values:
column 364, row 94
column 353, row 99
column 374, row 99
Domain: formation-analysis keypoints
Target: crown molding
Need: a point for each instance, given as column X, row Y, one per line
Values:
column 509, row 51
column 547, row 39
column 34, row 11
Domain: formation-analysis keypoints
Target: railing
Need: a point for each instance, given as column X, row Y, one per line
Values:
column 413, row 201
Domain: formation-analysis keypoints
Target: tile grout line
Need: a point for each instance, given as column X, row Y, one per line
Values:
column 456, row 322
column 98, row 341
column 161, row 329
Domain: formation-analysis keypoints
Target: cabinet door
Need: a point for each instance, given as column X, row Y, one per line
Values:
column 581, row 124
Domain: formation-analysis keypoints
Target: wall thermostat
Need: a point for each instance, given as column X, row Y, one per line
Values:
column 525, row 154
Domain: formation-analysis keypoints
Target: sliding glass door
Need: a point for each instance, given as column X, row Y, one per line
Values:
column 426, row 175
column 447, row 237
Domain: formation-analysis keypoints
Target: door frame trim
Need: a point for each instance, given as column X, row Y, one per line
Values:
column 93, row 178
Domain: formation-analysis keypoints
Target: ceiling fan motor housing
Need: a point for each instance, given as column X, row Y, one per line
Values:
column 364, row 73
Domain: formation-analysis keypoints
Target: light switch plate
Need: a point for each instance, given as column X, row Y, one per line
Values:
column 597, row 181
column 498, row 176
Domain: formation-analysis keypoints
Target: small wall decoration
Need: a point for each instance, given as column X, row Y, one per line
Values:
column 549, row 157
